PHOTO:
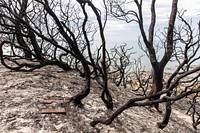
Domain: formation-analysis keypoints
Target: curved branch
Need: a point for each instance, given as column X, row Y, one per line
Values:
column 133, row 102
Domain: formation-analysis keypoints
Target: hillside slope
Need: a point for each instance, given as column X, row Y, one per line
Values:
column 22, row 98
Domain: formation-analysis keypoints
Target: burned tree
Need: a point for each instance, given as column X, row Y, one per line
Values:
column 120, row 64
column 180, row 44
column 53, row 33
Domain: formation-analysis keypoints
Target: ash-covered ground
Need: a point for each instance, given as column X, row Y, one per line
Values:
column 21, row 103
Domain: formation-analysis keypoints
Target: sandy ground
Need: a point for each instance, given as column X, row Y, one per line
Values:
column 22, row 93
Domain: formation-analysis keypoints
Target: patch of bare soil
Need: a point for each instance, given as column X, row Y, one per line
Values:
column 22, row 100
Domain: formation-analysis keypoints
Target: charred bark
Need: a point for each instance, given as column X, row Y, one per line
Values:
column 106, row 97
column 77, row 99
column 157, row 85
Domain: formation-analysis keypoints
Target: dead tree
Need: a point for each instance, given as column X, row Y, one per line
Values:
column 48, row 37
column 180, row 44
column 105, row 96
column 120, row 64
column 129, row 16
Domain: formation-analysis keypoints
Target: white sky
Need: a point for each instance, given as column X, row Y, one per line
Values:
column 120, row 32
column 163, row 8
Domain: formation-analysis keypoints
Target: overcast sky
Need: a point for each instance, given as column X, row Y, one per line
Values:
column 118, row 32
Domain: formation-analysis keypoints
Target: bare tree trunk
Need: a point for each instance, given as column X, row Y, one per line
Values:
column 77, row 99
column 157, row 85
column 167, row 56
column 106, row 97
